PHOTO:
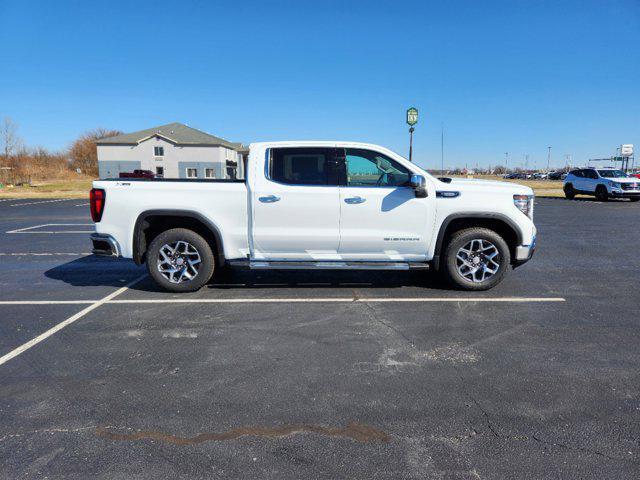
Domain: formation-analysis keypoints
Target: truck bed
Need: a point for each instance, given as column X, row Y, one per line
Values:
column 222, row 202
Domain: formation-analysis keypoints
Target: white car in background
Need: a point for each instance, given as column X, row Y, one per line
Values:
column 603, row 183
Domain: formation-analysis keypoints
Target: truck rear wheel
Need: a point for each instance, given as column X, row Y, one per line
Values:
column 476, row 259
column 180, row 260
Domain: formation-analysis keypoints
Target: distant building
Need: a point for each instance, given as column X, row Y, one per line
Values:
column 171, row 151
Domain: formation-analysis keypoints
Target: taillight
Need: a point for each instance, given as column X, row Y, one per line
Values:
column 97, row 197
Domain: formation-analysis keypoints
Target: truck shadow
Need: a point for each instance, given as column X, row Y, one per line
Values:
column 268, row 279
column 93, row 271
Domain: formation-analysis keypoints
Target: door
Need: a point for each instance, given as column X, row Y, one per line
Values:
column 380, row 216
column 295, row 206
column 590, row 180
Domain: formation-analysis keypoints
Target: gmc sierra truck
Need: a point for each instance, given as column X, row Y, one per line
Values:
column 316, row 205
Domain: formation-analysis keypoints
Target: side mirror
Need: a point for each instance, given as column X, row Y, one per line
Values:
column 419, row 184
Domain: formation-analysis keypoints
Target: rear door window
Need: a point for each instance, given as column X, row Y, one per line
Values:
column 300, row 166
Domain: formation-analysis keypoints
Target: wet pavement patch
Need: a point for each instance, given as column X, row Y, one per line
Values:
column 353, row 431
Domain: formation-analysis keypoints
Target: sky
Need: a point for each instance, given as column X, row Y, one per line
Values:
column 500, row 76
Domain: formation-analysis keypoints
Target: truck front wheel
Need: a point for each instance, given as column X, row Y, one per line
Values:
column 476, row 259
column 180, row 260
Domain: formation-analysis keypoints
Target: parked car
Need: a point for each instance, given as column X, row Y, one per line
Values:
column 516, row 176
column 558, row 175
column 540, row 176
column 137, row 174
column 317, row 205
column 604, row 183
column 635, row 174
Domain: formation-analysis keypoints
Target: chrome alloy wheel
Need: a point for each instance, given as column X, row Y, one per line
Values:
column 179, row 261
column 478, row 260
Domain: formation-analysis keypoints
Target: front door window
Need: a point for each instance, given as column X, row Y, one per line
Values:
column 366, row 168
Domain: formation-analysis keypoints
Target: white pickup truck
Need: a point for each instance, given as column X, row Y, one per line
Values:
column 316, row 205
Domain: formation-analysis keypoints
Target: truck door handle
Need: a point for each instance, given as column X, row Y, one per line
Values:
column 353, row 200
column 269, row 199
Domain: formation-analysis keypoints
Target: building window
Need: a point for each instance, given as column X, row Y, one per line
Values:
column 231, row 173
column 192, row 173
column 158, row 151
column 209, row 173
column 160, row 172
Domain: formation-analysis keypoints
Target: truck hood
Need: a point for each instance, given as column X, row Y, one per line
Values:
column 471, row 184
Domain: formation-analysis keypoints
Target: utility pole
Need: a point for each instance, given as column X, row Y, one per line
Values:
column 548, row 158
column 506, row 162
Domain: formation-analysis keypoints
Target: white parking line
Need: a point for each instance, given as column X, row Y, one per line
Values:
column 43, row 336
column 47, row 302
column 30, row 229
column 23, row 254
column 298, row 300
column 41, row 201
column 82, row 205
column 345, row 300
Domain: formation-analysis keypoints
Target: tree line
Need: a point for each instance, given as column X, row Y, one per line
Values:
column 20, row 163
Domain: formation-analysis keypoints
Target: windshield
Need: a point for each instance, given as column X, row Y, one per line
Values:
column 612, row 174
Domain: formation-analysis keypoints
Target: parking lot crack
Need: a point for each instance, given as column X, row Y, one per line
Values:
column 537, row 439
column 373, row 315
column 485, row 414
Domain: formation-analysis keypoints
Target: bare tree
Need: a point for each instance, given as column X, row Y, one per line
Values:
column 84, row 153
column 9, row 137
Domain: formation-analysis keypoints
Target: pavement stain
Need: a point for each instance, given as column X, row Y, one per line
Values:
column 354, row 431
column 407, row 359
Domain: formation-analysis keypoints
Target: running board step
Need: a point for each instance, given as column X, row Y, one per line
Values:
column 328, row 265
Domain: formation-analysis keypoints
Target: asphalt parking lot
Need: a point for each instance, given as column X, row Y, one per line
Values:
column 320, row 375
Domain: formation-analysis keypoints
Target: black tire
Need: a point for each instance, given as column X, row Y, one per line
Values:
column 462, row 238
column 201, row 246
column 601, row 193
column 569, row 192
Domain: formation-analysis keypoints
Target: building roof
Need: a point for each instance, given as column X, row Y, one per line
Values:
column 177, row 133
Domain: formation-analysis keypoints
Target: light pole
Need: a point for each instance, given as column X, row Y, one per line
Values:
column 442, row 148
column 411, row 129
column 412, row 119
column 506, row 162
column 548, row 158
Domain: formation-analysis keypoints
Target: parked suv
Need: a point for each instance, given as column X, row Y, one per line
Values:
column 604, row 183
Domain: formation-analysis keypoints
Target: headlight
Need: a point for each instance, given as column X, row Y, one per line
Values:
column 615, row 184
column 524, row 203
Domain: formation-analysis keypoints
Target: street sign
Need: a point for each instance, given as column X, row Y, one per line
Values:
column 626, row 150
column 412, row 116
